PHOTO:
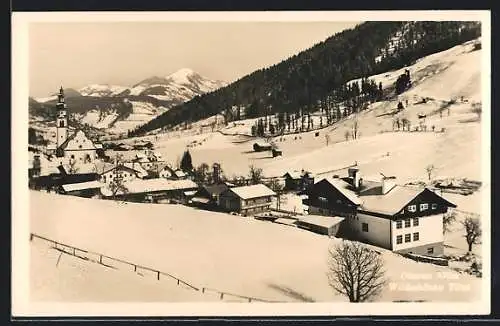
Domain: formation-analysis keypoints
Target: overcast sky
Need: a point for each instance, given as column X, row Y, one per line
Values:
column 78, row 54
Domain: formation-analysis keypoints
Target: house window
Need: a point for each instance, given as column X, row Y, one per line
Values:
column 399, row 224
column 415, row 222
column 412, row 208
column 364, row 227
column 399, row 239
column 408, row 237
column 79, row 146
column 434, row 206
column 416, row 236
column 407, row 223
column 430, row 250
column 424, row 207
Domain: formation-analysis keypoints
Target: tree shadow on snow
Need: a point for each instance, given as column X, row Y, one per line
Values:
column 291, row 293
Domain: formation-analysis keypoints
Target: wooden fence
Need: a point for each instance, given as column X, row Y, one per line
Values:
column 108, row 261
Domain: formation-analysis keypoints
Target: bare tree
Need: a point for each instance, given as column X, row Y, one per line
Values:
column 201, row 172
column 117, row 185
column 346, row 135
column 356, row 271
column 448, row 219
column 429, row 169
column 277, row 187
column 255, row 174
column 477, row 109
column 472, row 227
column 355, row 129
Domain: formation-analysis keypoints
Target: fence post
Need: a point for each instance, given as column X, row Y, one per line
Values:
column 31, row 236
column 178, row 282
column 222, row 295
column 203, row 290
column 100, row 259
column 249, row 299
column 74, row 251
column 158, row 275
column 135, row 268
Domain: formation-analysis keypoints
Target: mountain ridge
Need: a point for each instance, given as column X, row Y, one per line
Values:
column 103, row 105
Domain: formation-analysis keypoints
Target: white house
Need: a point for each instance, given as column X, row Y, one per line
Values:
column 398, row 218
column 126, row 172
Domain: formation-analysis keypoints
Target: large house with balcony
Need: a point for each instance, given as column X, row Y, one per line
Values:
column 382, row 213
column 247, row 200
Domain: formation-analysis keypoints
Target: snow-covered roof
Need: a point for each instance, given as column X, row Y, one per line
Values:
column 82, row 186
column 138, row 186
column 253, row 191
column 135, row 167
column 345, row 188
column 294, row 174
column 81, row 168
column 325, row 221
column 179, row 173
column 392, row 202
column 200, row 200
column 98, row 145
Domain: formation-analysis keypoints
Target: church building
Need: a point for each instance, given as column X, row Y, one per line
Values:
column 77, row 147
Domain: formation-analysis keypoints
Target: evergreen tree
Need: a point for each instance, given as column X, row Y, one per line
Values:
column 186, row 162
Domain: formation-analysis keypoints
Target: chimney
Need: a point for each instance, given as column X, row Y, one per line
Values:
column 357, row 179
column 387, row 184
column 352, row 171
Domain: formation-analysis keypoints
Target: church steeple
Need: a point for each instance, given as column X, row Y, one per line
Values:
column 62, row 119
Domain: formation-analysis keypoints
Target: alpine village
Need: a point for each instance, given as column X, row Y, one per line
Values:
column 364, row 146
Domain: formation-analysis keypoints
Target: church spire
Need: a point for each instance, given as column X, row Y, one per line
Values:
column 60, row 97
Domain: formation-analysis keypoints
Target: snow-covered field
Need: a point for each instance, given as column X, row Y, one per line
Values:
column 61, row 277
column 229, row 253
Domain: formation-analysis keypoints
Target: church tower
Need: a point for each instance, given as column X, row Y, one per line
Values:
column 62, row 119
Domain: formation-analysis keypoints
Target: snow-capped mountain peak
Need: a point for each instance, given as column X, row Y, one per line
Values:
column 100, row 90
column 181, row 76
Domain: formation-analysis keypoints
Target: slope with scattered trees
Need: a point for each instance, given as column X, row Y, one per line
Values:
column 318, row 75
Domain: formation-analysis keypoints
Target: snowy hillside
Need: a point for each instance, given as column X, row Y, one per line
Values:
column 256, row 258
column 442, row 77
column 141, row 113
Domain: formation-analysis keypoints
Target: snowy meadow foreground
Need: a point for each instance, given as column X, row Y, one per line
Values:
column 229, row 253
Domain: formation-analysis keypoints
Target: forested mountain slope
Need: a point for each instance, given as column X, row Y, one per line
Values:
column 300, row 82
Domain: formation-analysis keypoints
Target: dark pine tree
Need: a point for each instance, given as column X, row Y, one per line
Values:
column 186, row 162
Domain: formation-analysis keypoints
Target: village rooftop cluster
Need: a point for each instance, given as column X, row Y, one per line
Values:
column 377, row 212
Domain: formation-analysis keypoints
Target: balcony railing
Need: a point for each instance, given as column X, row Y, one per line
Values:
column 334, row 209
